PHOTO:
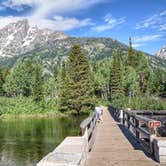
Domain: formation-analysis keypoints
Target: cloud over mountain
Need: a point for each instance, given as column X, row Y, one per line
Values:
column 49, row 14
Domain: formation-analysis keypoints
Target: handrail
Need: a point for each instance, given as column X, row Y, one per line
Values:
column 88, row 127
column 81, row 144
column 85, row 123
column 142, row 118
column 137, row 124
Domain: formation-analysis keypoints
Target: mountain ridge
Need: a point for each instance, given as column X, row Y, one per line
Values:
column 162, row 52
column 19, row 40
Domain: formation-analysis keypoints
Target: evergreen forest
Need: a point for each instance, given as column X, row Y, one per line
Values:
column 78, row 84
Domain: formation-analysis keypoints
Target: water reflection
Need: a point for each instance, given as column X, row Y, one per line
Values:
column 23, row 142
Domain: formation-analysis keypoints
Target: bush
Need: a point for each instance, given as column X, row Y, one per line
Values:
column 140, row 103
column 26, row 105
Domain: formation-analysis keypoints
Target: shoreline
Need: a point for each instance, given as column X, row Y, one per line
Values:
column 41, row 115
column 46, row 115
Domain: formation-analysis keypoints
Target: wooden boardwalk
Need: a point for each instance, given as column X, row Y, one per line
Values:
column 112, row 148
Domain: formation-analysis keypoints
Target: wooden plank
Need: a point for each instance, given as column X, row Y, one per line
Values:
column 113, row 148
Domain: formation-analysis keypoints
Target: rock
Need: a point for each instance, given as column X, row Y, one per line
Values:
column 162, row 53
column 19, row 38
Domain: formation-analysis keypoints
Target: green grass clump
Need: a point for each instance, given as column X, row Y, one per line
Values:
column 141, row 103
column 26, row 105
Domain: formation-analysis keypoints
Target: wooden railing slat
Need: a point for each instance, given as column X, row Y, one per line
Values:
column 137, row 123
column 89, row 124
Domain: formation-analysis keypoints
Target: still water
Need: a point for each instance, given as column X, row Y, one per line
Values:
column 23, row 142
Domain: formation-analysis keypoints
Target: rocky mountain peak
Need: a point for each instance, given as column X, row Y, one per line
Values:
column 162, row 53
column 19, row 37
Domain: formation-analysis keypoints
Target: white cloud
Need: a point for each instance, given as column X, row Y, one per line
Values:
column 163, row 13
column 47, row 13
column 58, row 23
column 44, row 7
column 147, row 38
column 110, row 23
column 6, row 20
column 62, row 23
column 163, row 27
column 139, row 41
column 137, row 45
column 156, row 21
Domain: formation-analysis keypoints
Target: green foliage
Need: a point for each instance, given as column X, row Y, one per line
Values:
column 98, row 48
column 20, row 80
column 138, row 81
column 157, row 84
column 5, row 73
column 141, row 103
column 143, row 70
column 79, row 90
column 26, row 105
column 101, row 73
column 56, row 73
column 116, row 76
column 127, row 78
column 63, row 93
column 131, row 55
column 48, row 87
column 3, row 76
column 131, row 84
column 37, row 88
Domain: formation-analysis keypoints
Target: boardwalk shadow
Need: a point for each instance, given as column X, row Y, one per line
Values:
column 130, row 137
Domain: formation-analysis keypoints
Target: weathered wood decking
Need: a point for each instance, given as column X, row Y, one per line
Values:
column 112, row 148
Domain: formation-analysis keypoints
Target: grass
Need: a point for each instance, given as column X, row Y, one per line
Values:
column 26, row 107
column 141, row 103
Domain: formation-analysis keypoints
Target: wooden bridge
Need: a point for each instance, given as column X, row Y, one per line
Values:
column 112, row 148
column 111, row 143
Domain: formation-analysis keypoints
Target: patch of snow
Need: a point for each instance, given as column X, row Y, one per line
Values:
column 4, row 55
column 9, row 39
column 27, row 43
column 31, row 35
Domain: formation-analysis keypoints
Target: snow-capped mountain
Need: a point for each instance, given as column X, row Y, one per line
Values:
column 19, row 38
column 162, row 53
column 19, row 41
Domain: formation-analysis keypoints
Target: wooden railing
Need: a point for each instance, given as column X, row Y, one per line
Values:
column 138, row 125
column 88, row 127
column 73, row 150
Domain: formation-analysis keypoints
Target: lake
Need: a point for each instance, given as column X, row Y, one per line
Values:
column 23, row 142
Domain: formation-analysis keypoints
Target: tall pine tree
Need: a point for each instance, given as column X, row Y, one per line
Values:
column 63, row 94
column 20, row 79
column 130, row 60
column 143, row 70
column 116, row 77
column 3, row 76
column 79, row 91
column 56, row 72
column 37, row 89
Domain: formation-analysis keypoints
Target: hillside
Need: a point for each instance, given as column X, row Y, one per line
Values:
column 19, row 40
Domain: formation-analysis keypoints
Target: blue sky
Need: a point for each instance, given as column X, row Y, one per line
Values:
column 143, row 20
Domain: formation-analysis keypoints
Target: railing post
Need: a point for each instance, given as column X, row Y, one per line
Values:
column 133, row 122
column 83, row 131
column 124, row 118
column 121, row 117
column 128, row 121
column 153, row 131
column 137, row 126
